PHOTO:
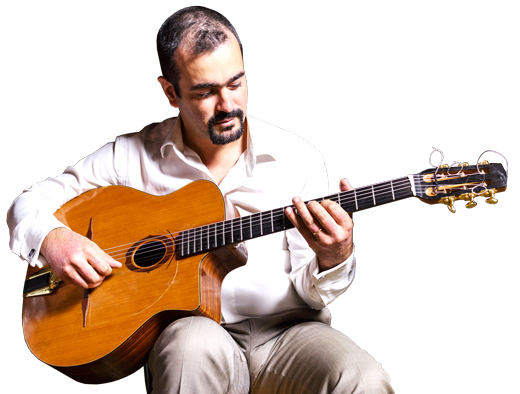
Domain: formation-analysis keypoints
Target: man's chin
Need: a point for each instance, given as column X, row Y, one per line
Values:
column 226, row 134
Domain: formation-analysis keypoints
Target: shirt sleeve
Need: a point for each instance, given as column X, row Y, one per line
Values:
column 31, row 215
column 317, row 289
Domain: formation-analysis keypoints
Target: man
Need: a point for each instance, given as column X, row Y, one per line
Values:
column 275, row 336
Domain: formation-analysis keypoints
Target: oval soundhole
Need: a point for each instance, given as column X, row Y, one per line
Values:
column 149, row 253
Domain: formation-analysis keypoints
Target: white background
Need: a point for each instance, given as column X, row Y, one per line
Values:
column 374, row 85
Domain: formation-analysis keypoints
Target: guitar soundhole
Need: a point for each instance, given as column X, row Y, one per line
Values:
column 149, row 254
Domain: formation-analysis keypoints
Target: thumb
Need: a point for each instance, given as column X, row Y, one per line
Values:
column 344, row 185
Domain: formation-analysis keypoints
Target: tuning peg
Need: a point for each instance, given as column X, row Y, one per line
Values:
column 491, row 196
column 449, row 202
column 471, row 203
column 451, row 207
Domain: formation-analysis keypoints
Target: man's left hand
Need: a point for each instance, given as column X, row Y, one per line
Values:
column 326, row 227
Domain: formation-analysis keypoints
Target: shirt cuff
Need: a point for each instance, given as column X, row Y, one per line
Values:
column 34, row 239
column 333, row 282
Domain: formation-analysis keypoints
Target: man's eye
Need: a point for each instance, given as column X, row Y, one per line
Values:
column 235, row 85
column 203, row 95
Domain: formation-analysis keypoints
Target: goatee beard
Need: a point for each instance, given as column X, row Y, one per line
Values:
column 219, row 139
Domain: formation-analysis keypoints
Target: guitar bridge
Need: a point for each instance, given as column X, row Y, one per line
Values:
column 41, row 283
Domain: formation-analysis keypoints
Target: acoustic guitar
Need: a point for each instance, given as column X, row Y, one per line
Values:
column 176, row 250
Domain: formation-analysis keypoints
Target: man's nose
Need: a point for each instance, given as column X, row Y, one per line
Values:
column 224, row 104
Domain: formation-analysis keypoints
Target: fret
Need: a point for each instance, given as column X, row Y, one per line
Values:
column 246, row 228
column 212, row 236
column 196, row 240
column 256, row 229
column 220, row 234
column 405, row 189
column 236, row 230
column 227, row 233
column 266, row 224
column 384, row 194
column 191, row 240
column 182, row 243
column 202, row 238
column 278, row 220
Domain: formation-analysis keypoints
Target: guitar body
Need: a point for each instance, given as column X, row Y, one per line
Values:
column 106, row 333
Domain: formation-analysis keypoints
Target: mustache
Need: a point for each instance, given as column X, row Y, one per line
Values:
column 236, row 113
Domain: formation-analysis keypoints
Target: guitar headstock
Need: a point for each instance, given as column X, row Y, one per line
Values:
column 462, row 182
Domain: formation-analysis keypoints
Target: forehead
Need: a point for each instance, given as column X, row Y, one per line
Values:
column 215, row 67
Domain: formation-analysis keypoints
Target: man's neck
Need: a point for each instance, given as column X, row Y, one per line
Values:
column 219, row 159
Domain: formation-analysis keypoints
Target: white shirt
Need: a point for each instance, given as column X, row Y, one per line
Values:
column 281, row 273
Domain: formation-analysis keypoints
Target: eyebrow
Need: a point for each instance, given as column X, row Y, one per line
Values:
column 216, row 85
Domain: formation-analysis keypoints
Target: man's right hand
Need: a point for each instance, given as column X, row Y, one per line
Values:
column 76, row 259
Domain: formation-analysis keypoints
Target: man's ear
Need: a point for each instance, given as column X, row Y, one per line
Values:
column 169, row 91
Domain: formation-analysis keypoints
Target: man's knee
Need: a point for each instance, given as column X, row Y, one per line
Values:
column 196, row 354
column 192, row 336
column 361, row 374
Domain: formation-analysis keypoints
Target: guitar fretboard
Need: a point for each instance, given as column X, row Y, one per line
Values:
column 216, row 235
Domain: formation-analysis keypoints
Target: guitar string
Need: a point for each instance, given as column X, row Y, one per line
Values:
column 344, row 201
column 211, row 233
column 367, row 195
column 197, row 232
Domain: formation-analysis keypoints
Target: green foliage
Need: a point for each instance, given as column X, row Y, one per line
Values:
column 146, row 100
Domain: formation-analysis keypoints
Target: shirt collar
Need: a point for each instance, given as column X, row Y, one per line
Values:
column 256, row 147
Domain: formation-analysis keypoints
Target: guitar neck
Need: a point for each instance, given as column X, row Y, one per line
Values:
column 216, row 235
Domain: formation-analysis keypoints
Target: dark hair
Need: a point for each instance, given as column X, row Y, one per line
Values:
column 200, row 29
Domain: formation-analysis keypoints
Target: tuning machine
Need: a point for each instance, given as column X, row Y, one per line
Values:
column 470, row 197
column 449, row 202
column 490, row 194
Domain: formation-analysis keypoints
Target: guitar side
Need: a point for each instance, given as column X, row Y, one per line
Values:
column 108, row 336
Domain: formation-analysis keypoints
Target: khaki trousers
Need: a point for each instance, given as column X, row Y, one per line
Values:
column 293, row 352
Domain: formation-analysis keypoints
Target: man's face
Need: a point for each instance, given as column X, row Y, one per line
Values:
column 213, row 92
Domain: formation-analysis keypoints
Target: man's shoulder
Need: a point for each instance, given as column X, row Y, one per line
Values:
column 278, row 141
column 154, row 132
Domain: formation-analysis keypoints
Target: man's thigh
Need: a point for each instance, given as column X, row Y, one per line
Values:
column 196, row 355
column 314, row 358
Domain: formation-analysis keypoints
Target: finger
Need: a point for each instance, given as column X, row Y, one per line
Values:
column 344, row 185
column 305, row 215
column 323, row 218
column 337, row 213
column 298, row 223
column 71, row 275
column 88, row 272
column 103, row 262
column 113, row 262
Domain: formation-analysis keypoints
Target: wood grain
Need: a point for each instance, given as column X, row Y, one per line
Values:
column 128, row 311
